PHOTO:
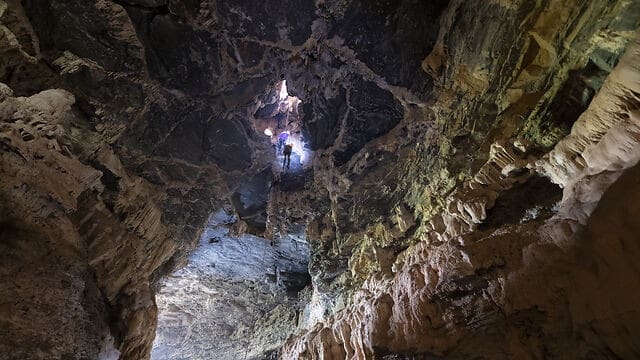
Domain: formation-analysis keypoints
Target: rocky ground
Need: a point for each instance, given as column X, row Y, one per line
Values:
column 219, row 303
column 470, row 192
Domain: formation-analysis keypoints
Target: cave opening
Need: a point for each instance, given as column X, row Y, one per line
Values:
column 278, row 116
column 250, row 266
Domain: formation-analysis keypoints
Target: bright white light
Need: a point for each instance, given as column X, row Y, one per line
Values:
column 293, row 102
column 268, row 132
column 298, row 148
column 283, row 90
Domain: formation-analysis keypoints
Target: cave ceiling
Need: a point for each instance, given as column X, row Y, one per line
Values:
column 462, row 180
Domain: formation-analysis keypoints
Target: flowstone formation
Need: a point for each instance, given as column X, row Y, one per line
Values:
column 463, row 179
column 556, row 281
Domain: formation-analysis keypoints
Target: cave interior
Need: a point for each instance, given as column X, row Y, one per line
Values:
column 461, row 182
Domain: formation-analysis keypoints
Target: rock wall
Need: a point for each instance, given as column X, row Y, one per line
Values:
column 125, row 124
column 237, row 297
column 558, row 282
column 528, row 75
column 110, row 169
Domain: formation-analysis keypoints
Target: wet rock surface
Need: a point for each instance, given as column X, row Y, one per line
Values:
column 443, row 134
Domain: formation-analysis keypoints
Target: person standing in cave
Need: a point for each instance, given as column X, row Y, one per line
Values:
column 288, row 149
column 282, row 139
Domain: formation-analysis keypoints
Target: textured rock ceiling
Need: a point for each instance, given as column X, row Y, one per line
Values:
column 471, row 191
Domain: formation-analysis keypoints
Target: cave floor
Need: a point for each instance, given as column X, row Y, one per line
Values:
column 211, row 306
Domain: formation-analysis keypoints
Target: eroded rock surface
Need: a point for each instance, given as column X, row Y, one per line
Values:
column 515, row 290
column 237, row 297
column 470, row 191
